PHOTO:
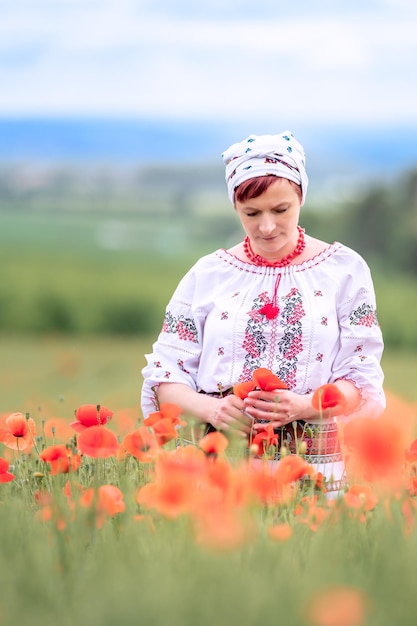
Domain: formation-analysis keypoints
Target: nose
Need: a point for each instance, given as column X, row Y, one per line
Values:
column 266, row 225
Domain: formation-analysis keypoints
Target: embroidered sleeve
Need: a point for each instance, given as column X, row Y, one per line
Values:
column 361, row 342
column 176, row 354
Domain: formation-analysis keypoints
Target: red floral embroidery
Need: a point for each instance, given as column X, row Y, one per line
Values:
column 364, row 315
column 184, row 326
column 289, row 345
column 180, row 364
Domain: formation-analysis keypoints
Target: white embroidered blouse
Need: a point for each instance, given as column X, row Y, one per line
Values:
column 214, row 335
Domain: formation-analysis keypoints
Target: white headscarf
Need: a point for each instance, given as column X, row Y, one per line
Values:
column 260, row 155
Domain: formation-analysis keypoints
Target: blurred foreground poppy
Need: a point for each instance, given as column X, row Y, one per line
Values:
column 337, row 606
column 214, row 443
column 327, row 396
column 374, row 448
column 107, row 500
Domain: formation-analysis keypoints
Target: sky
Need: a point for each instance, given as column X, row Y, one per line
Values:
column 312, row 60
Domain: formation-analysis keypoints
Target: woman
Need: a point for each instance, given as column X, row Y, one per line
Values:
column 280, row 300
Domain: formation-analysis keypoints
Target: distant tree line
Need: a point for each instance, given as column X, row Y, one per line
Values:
column 380, row 223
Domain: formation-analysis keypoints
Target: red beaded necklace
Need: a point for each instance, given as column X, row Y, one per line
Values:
column 286, row 260
column 271, row 309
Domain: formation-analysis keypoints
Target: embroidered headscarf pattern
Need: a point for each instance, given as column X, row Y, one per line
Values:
column 262, row 155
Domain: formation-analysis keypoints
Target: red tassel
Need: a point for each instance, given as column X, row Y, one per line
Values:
column 269, row 310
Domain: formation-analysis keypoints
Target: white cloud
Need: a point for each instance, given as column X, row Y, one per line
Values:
column 116, row 58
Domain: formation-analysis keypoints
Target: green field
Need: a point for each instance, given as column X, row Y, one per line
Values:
column 55, row 375
column 102, row 274
column 152, row 570
column 82, row 296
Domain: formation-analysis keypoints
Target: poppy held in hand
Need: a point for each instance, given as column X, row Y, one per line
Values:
column 267, row 380
column 89, row 415
column 241, row 390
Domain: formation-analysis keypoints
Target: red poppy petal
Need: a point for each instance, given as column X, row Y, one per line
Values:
column 213, row 443
column 93, row 414
column 98, row 442
column 327, row 396
column 241, row 390
column 267, row 380
column 6, row 477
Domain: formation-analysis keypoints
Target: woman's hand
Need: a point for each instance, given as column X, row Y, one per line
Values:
column 278, row 407
column 230, row 415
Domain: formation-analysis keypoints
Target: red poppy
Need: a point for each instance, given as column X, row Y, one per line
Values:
column 375, row 448
column 220, row 525
column 267, row 380
column 98, row 442
column 164, row 431
column 327, row 396
column 231, row 482
column 280, row 532
column 18, row 432
column 213, row 443
column 411, row 453
column 188, row 460
column 5, row 475
column 241, row 390
column 61, row 459
column 172, row 496
column 168, row 411
column 292, row 468
column 264, row 439
column 91, row 415
column 262, row 485
column 360, row 497
column 108, row 501
column 141, row 444
column 337, row 606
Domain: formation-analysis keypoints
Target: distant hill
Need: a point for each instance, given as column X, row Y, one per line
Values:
column 332, row 151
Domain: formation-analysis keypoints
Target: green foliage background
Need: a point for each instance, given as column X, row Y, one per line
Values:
column 105, row 260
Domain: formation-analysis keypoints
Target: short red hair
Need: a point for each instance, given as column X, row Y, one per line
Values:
column 256, row 186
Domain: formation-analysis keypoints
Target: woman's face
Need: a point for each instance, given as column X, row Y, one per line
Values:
column 270, row 220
